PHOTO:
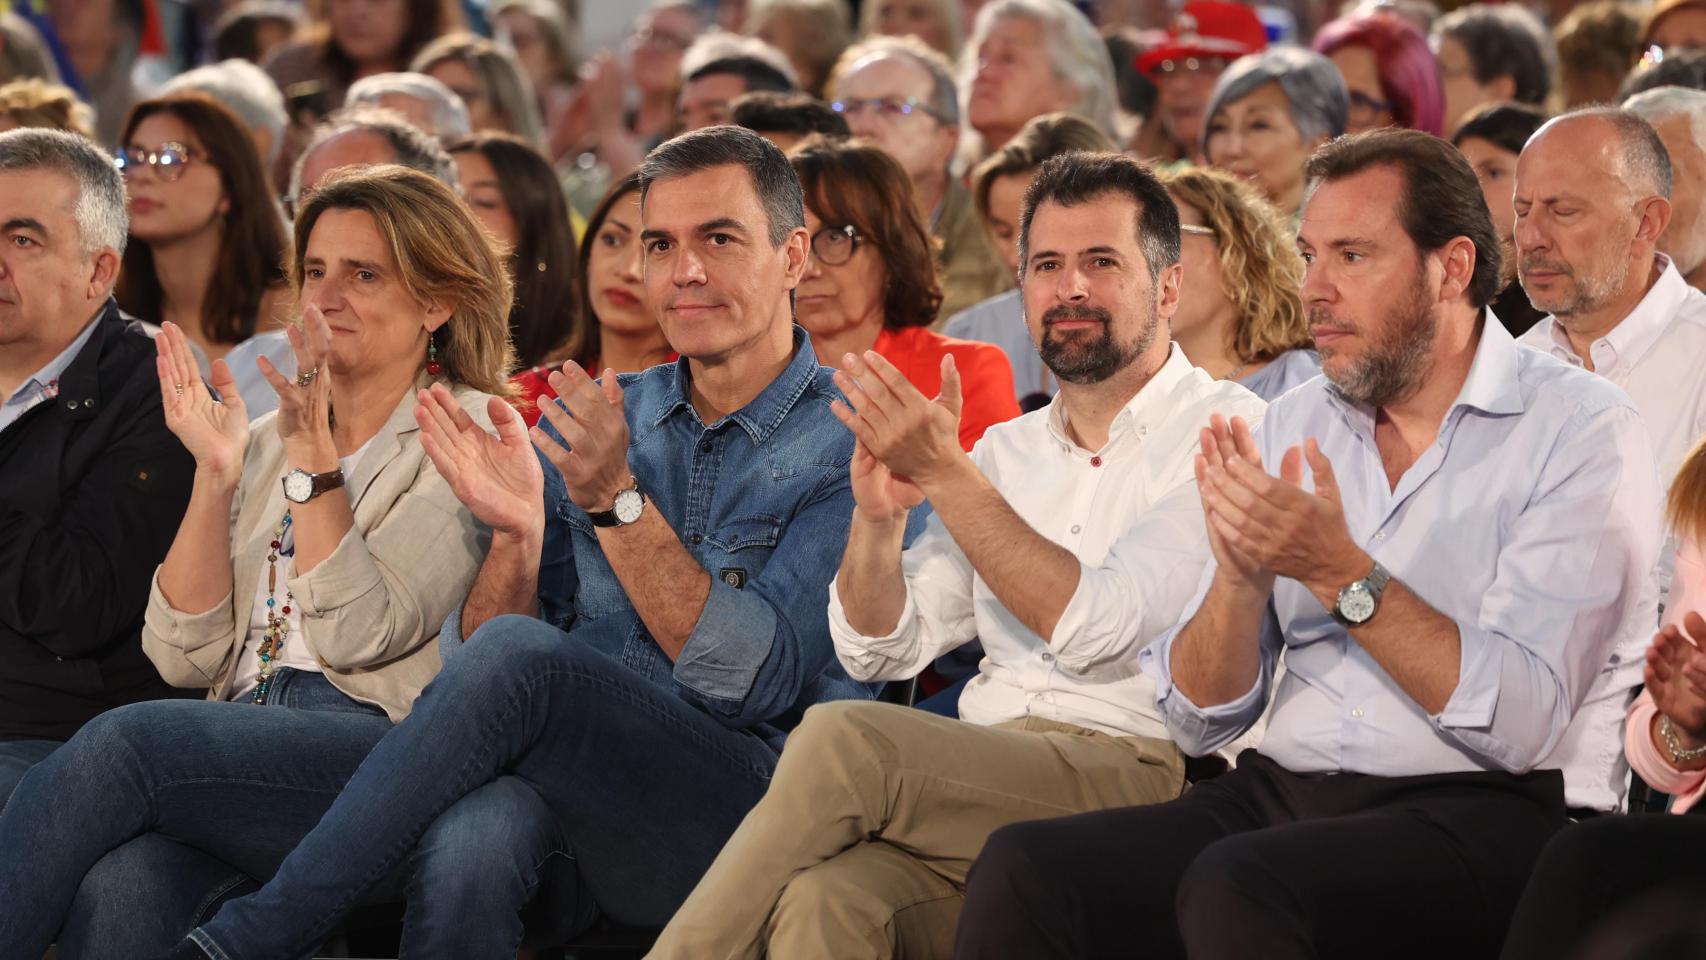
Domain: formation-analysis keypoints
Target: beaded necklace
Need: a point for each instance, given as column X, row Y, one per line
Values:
column 278, row 624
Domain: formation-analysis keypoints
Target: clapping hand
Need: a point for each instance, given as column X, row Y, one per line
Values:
column 305, row 404
column 1676, row 675
column 590, row 419
column 498, row 478
column 912, row 437
column 215, row 432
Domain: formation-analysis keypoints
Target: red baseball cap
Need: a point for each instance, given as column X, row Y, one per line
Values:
column 1207, row 28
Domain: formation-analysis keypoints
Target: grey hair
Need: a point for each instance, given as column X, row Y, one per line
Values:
column 244, row 89
column 944, row 93
column 1079, row 54
column 415, row 149
column 506, row 86
column 449, row 114
column 773, row 177
column 100, row 209
column 1313, row 87
column 1644, row 155
column 1661, row 103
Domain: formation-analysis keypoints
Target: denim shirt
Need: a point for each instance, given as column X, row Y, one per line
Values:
column 762, row 500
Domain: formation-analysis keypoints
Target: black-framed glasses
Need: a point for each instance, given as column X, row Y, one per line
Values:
column 886, row 108
column 168, row 162
column 1366, row 108
column 835, row 245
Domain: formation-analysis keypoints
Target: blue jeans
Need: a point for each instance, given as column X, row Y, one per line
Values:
column 16, row 759
column 124, row 838
column 641, row 790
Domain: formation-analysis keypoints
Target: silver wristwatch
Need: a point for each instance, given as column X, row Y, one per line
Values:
column 1358, row 602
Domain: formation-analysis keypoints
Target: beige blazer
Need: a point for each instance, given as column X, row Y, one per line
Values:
column 371, row 610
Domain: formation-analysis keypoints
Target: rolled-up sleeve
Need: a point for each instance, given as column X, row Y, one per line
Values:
column 938, row 614
column 1578, row 559
column 189, row 649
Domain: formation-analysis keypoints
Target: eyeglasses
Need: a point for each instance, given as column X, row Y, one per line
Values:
column 1194, row 65
column 887, row 108
column 1364, row 108
column 168, row 162
column 1197, row 231
column 834, row 246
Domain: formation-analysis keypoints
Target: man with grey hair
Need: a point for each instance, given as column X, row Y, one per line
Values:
column 247, row 92
column 422, row 100
column 900, row 94
column 92, row 484
column 1593, row 198
column 361, row 136
column 1678, row 115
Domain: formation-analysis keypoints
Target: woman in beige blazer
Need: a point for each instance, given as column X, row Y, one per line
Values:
column 320, row 553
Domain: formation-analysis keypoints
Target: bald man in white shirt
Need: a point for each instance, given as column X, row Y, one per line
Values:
column 1067, row 540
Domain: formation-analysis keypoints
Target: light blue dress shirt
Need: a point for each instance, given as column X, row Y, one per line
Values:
column 1532, row 522
column 1283, row 372
column 42, row 385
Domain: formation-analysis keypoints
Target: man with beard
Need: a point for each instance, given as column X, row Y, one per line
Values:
column 1474, row 543
column 861, row 845
column 1592, row 203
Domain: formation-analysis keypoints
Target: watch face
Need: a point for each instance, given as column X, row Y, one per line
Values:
column 298, row 486
column 1356, row 603
column 629, row 503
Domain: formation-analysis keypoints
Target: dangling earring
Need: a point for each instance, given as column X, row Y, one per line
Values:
column 434, row 368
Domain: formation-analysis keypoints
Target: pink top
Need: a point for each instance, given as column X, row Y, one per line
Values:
column 1687, row 592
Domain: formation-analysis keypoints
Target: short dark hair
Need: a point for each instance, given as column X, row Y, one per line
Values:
column 1504, row 125
column 769, row 111
column 772, row 177
column 757, row 74
column 1074, row 178
column 1503, row 41
column 1441, row 198
column 1684, row 68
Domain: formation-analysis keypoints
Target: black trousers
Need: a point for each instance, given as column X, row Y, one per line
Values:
column 1263, row 863
column 1616, row 887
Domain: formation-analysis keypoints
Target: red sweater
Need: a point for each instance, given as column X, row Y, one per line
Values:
column 986, row 377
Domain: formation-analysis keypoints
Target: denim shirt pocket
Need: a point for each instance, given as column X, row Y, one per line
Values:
column 737, row 550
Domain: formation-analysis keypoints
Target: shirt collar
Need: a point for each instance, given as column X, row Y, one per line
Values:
column 55, row 368
column 765, row 412
column 1638, row 332
column 1147, row 409
column 1491, row 385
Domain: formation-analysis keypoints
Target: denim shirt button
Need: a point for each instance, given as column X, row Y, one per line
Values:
column 705, row 447
column 696, row 539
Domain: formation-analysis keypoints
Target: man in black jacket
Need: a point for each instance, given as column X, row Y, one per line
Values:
column 92, row 485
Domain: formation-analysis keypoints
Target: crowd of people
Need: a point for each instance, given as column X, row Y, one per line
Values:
column 853, row 478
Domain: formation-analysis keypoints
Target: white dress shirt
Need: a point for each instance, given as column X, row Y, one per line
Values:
column 1139, row 490
column 1531, row 522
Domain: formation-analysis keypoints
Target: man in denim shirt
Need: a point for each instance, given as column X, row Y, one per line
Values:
column 636, row 649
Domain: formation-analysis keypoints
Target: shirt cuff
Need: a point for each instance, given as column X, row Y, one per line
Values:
column 1479, row 674
column 863, row 656
column 729, row 644
column 342, row 578
column 1199, row 731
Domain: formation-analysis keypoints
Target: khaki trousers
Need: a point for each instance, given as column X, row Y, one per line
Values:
column 861, row 846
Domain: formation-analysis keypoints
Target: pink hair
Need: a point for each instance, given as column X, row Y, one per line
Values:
column 1409, row 73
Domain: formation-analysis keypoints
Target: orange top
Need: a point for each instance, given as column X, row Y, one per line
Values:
column 531, row 384
column 986, row 377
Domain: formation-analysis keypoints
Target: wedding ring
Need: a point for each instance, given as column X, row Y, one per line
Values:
column 179, row 388
column 304, row 379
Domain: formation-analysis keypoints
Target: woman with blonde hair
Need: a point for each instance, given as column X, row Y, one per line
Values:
column 38, row 103
column 499, row 97
column 1241, row 315
column 320, row 552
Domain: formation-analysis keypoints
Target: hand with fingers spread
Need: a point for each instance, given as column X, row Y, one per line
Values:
column 215, row 432
column 1676, row 677
column 305, row 403
column 594, row 462
column 912, row 437
column 498, row 478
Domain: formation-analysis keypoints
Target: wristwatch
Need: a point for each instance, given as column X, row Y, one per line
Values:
column 300, row 486
column 1673, row 743
column 1358, row 602
column 630, row 503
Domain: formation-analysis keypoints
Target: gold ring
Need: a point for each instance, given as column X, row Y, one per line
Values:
column 179, row 388
column 304, row 379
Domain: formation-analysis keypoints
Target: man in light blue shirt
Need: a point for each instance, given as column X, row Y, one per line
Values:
column 1448, row 593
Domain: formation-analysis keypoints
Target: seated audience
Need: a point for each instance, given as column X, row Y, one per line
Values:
column 418, row 98
column 365, row 136
column 649, row 621
column 613, row 328
column 1491, row 139
column 253, row 29
column 709, row 89
column 246, row 91
column 543, row 42
column 310, row 613
column 1492, row 54
column 1242, row 318
column 786, row 118
column 1268, row 113
column 91, row 483
column 810, row 33
column 1678, row 116
column 870, row 284
column 998, row 188
column 1027, row 58
column 23, row 54
column 1592, row 200
column 937, row 23
column 98, row 48
column 1185, row 67
column 901, row 95
column 488, row 81
column 514, row 194
column 1112, row 542
column 1598, row 43
column 1675, row 25
column 43, row 105
column 1391, row 75
column 1442, row 732
column 656, row 54
column 206, row 247
column 358, row 40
